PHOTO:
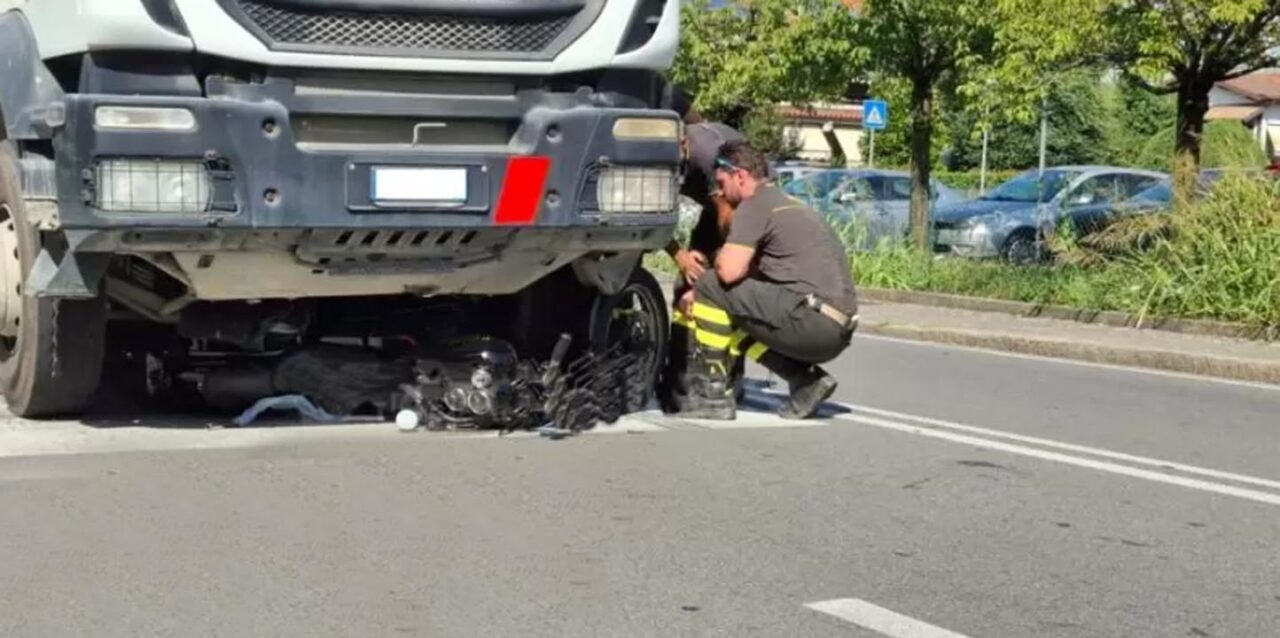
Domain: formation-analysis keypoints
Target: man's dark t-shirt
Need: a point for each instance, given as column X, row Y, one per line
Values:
column 794, row 246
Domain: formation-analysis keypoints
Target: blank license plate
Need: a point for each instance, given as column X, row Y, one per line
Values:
column 401, row 184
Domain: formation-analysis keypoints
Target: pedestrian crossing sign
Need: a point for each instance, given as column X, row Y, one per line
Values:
column 875, row 115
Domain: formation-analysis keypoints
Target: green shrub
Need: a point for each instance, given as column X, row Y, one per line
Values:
column 969, row 181
column 1226, row 145
column 1219, row 258
column 1215, row 259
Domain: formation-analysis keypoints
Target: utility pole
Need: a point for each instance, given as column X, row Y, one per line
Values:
column 986, row 141
column 1041, row 212
column 1044, row 136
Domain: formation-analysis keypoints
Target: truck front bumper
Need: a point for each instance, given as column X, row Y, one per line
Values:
column 304, row 219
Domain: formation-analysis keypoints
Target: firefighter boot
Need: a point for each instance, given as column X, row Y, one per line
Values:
column 711, row 395
column 810, row 385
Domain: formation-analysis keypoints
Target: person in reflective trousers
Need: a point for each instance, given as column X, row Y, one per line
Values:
column 702, row 140
column 781, row 293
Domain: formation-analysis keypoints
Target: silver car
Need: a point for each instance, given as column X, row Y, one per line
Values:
column 877, row 203
column 788, row 172
column 1010, row 221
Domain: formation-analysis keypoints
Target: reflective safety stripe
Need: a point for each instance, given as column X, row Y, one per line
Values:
column 735, row 345
column 711, row 314
column 713, row 340
column 756, row 351
column 681, row 319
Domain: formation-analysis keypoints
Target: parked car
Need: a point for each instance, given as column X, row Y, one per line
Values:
column 818, row 185
column 1010, row 221
column 880, row 202
column 787, row 172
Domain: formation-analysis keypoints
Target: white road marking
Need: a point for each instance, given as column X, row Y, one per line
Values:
column 1057, row 457
column 880, row 620
column 1069, row 447
column 1076, row 362
column 754, row 420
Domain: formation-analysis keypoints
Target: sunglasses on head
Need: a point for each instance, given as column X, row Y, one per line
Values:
column 725, row 164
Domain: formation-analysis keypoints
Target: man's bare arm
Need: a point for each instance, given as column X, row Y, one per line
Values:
column 733, row 264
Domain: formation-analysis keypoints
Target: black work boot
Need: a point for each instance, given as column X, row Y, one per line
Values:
column 810, row 385
column 710, row 401
column 710, row 395
column 807, row 399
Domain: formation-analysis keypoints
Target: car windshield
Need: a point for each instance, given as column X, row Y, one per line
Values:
column 817, row 185
column 801, row 186
column 1024, row 187
column 1159, row 194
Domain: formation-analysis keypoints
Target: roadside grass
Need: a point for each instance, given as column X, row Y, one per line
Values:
column 1218, row 258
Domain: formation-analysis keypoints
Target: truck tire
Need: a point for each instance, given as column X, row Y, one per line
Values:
column 50, row 350
column 636, row 318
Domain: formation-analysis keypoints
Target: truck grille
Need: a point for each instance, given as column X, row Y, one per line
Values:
column 399, row 33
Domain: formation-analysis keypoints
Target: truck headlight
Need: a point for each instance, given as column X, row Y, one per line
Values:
column 646, row 128
column 153, row 186
column 143, row 118
column 632, row 189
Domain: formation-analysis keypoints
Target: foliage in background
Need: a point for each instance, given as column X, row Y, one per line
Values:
column 1133, row 116
column 1119, row 119
column 1214, row 259
column 893, row 145
column 926, row 44
column 971, row 181
column 1226, row 144
column 767, row 131
column 749, row 54
column 1078, row 122
column 1185, row 48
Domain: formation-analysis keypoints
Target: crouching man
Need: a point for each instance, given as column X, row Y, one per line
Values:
column 781, row 294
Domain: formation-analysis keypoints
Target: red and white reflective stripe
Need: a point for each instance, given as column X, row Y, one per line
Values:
column 522, row 191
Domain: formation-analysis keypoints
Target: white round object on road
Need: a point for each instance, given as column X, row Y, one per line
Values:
column 408, row 420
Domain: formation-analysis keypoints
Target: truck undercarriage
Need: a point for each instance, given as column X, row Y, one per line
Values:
column 464, row 247
column 555, row 354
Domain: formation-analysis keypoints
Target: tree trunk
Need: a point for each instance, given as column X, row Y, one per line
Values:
column 921, row 145
column 1193, row 105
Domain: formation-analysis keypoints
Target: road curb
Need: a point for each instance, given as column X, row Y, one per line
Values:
column 1197, row 364
column 1065, row 313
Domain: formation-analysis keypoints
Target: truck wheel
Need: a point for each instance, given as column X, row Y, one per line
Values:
column 634, row 322
column 50, row 350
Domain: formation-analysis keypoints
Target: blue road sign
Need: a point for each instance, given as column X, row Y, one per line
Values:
column 875, row 115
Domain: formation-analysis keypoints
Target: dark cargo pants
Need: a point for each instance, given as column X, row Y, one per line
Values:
column 758, row 318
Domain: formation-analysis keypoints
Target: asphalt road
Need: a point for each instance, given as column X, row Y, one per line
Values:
column 956, row 493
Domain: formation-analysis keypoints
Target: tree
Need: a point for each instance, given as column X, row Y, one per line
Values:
column 1079, row 123
column 766, row 130
column 741, row 56
column 923, row 42
column 1185, row 47
column 1134, row 116
column 893, row 144
column 1224, row 145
